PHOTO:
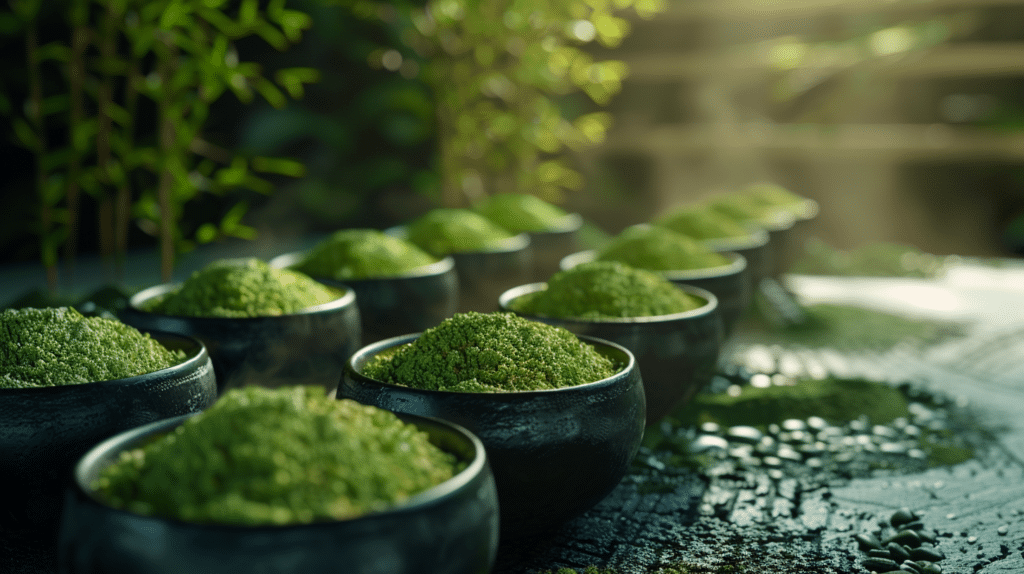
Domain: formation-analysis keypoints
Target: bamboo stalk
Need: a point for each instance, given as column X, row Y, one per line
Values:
column 35, row 116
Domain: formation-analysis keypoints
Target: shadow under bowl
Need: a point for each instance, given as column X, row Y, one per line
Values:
column 451, row 528
column 44, row 431
column 392, row 306
column 555, row 453
column 550, row 246
column 728, row 283
column 677, row 354
column 305, row 348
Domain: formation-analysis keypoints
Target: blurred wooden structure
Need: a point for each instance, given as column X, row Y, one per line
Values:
column 873, row 107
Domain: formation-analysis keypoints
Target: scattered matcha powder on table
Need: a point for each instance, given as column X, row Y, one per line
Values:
column 519, row 212
column 444, row 231
column 702, row 223
column 606, row 289
column 659, row 249
column 271, row 457
column 492, row 352
column 60, row 346
column 361, row 254
column 243, row 288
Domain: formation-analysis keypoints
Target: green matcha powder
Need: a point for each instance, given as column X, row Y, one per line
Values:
column 361, row 254
column 236, row 288
column 60, row 346
column 273, row 457
column 444, row 231
column 492, row 352
column 605, row 290
column 659, row 249
column 519, row 212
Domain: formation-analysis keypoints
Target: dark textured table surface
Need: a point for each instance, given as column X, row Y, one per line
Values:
column 797, row 524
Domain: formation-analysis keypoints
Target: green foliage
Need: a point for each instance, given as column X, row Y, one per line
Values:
column 499, row 71
column 87, row 88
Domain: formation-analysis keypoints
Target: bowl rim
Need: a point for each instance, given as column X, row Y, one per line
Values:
column 194, row 360
column 439, row 267
column 345, row 300
column 737, row 264
column 432, row 496
column 516, row 242
column 709, row 307
column 757, row 238
column 367, row 351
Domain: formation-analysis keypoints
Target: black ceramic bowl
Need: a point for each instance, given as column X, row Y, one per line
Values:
column 555, row 453
column 392, row 306
column 677, row 354
column 729, row 284
column 449, row 529
column 550, row 246
column 44, row 431
column 483, row 275
column 755, row 248
column 309, row 347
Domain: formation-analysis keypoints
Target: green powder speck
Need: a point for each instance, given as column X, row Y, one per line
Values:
column 518, row 212
column 606, row 289
column 361, row 254
column 444, row 231
column 243, row 288
column 60, row 346
column 492, row 352
column 284, row 456
column 700, row 222
column 659, row 249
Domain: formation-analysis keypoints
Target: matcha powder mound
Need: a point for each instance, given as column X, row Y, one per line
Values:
column 243, row 288
column 444, row 231
column 492, row 352
column 606, row 289
column 283, row 456
column 659, row 249
column 363, row 253
column 60, row 346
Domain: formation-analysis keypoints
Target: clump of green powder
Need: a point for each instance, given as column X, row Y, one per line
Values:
column 492, row 352
column 699, row 222
column 444, row 231
column 284, row 456
column 59, row 346
column 361, row 254
column 243, row 288
column 605, row 289
column 774, row 195
column 766, row 204
column 659, row 249
column 877, row 259
column 519, row 212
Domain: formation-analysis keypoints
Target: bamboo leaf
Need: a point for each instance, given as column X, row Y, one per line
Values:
column 24, row 133
column 233, row 175
column 271, row 93
column 278, row 165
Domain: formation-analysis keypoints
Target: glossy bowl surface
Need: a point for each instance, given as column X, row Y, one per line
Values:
column 392, row 306
column 309, row 347
column 729, row 283
column 555, row 453
column 550, row 246
column 756, row 249
column 43, row 432
column 449, row 529
column 483, row 275
column 677, row 354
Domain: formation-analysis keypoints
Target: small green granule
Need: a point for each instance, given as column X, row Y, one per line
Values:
column 59, row 346
column 700, row 222
column 492, row 352
column 659, row 249
column 243, row 288
column 444, row 231
column 519, row 212
column 290, row 455
column 361, row 254
column 606, row 289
